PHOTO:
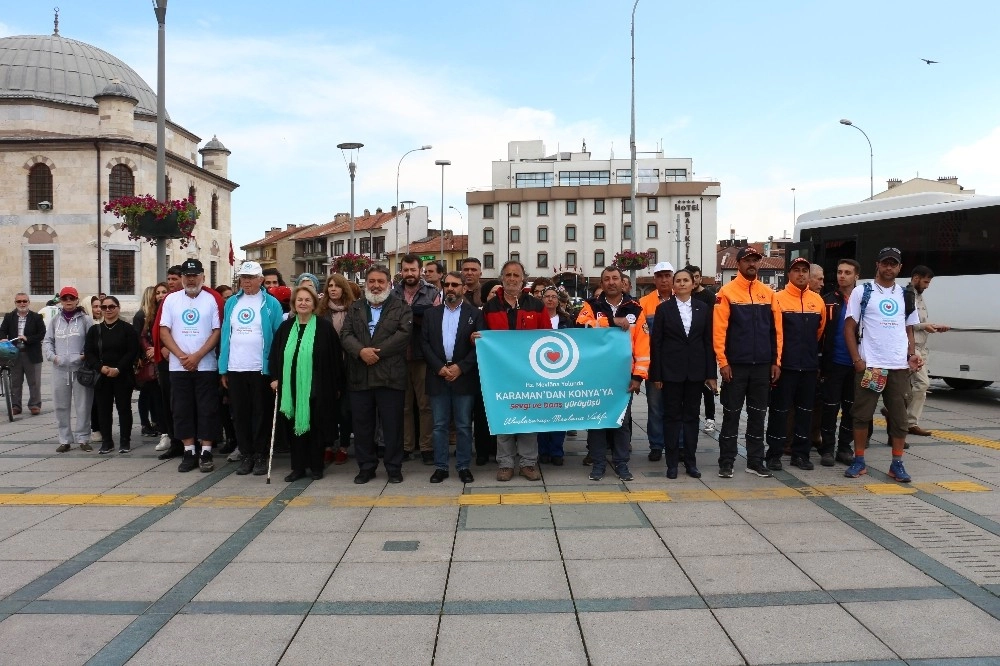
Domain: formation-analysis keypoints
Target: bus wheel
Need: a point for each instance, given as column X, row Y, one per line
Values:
column 965, row 384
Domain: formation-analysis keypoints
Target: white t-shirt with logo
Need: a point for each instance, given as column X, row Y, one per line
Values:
column 883, row 339
column 246, row 334
column 191, row 322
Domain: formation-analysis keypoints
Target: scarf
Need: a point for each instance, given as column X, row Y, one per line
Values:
column 298, row 413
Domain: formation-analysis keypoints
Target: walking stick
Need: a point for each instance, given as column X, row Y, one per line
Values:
column 274, row 423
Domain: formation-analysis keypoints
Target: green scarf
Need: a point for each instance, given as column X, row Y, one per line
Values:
column 299, row 412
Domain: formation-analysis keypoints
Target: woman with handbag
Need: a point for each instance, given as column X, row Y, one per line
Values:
column 150, row 398
column 63, row 347
column 112, row 347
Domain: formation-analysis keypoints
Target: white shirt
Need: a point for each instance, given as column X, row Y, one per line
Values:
column 191, row 322
column 883, row 329
column 246, row 334
column 684, row 308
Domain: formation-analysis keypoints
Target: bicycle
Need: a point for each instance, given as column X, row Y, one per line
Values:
column 8, row 354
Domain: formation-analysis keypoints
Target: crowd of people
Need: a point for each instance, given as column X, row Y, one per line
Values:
column 390, row 370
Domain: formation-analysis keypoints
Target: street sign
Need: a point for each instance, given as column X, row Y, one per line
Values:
column 427, row 257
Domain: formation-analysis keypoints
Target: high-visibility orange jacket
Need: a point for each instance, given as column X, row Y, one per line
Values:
column 649, row 303
column 747, row 324
column 803, row 318
column 597, row 313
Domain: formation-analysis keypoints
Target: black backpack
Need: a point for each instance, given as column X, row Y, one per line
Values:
column 909, row 304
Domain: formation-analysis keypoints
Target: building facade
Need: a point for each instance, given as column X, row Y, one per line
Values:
column 277, row 249
column 566, row 213
column 77, row 129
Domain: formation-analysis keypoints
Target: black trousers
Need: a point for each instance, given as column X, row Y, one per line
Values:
column 486, row 444
column 681, row 407
column 837, row 390
column 618, row 440
column 389, row 404
column 709, row 401
column 307, row 449
column 795, row 388
column 750, row 383
column 251, row 402
column 114, row 392
column 195, row 404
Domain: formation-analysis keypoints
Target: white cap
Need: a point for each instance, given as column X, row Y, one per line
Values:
column 663, row 266
column 250, row 268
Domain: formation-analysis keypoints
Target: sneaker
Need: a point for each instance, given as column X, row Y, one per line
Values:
column 235, row 456
column 63, row 448
column 856, row 469
column 803, row 463
column 188, row 463
column 898, row 472
column 206, row 464
column 260, row 466
column 146, row 431
column 623, row 473
column 726, row 471
column 95, row 437
column 827, row 460
column 246, row 466
column 596, row 474
column 709, row 426
column 107, row 447
column 85, row 446
column 757, row 467
column 530, row 473
column 164, row 443
column 125, row 448
column 774, row 464
column 587, row 460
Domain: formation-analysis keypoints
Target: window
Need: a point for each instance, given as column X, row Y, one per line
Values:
column 121, row 271
column 515, row 210
column 571, row 207
column 515, row 256
column 543, row 260
column 584, row 177
column 537, row 179
column 571, row 232
column 627, row 206
column 599, row 232
column 645, row 176
column 651, row 204
column 213, row 273
column 488, row 236
column 488, row 260
column 366, row 245
column 192, row 194
column 215, row 214
column 41, row 271
column 378, row 246
column 543, row 207
column 39, row 185
column 515, row 234
column 487, row 211
column 599, row 259
column 571, row 259
column 651, row 230
column 627, row 232
column 653, row 254
column 121, row 182
column 543, row 234
column 675, row 175
column 338, row 248
column 598, row 206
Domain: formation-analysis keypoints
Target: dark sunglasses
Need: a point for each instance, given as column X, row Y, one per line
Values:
column 108, row 307
column 454, row 284
column 67, row 298
column 21, row 302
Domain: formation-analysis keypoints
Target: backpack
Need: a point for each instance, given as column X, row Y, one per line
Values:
column 909, row 304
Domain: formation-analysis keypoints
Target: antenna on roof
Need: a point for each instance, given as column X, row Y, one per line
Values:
column 56, row 29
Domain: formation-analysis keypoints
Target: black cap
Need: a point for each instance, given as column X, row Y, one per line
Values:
column 748, row 252
column 799, row 260
column 192, row 267
column 890, row 253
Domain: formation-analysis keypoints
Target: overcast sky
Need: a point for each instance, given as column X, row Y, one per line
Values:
column 753, row 92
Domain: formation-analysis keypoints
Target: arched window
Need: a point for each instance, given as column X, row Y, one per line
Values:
column 215, row 212
column 121, row 182
column 39, row 185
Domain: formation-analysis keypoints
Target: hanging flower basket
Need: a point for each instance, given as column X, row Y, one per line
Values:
column 351, row 263
column 627, row 260
column 146, row 218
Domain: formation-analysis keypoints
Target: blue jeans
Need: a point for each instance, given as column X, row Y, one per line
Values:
column 551, row 444
column 654, row 417
column 444, row 408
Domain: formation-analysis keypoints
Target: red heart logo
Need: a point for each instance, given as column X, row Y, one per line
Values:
column 553, row 356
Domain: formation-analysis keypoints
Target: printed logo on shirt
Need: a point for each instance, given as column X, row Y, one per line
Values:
column 246, row 316
column 888, row 307
column 554, row 356
column 190, row 316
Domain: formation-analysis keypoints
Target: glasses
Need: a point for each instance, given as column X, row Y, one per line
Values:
column 67, row 298
column 454, row 285
column 108, row 307
column 21, row 302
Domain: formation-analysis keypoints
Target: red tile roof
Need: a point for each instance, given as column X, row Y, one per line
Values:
column 433, row 243
column 276, row 236
column 727, row 258
column 342, row 224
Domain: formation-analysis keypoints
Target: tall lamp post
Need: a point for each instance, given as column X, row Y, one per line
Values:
column 459, row 213
column 632, row 142
column 352, row 169
column 409, row 205
column 160, row 9
column 395, row 241
column 794, row 216
column 871, row 158
column 442, row 164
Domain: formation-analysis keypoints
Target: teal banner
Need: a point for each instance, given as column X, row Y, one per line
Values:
column 550, row 381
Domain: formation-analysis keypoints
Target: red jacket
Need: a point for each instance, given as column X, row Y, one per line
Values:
column 530, row 313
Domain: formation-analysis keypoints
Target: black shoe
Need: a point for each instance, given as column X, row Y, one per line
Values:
column 380, row 452
column 655, row 455
column 725, row 471
column 260, row 465
column 407, row 456
column 206, row 464
column 439, row 475
column 227, row 448
column 396, row 477
column 188, row 463
column 774, row 464
column 588, row 460
column 427, row 457
column 757, row 467
column 173, row 452
column 295, row 476
column 364, row 476
column 246, row 465
column 126, row 447
column 149, row 431
column 671, row 472
column 693, row 472
column 545, row 459
column 481, row 460
column 845, row 457
column 107, row 447
column 317, row 476
column 557, row 461
column 803, row 463
column 465, row 476
column 826, row 460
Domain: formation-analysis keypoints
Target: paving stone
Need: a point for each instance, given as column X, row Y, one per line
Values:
column 738, row 574
column 375, row 639
column 687, row 637
column 318, row 519
column 611, row 544
column 167, row 547
column 506, row 581
column 860, row 569
column 420, row 519
column 505, row 518
column 17, row 574
column 797, row 634
column 93, row 517
column 261, row 581
column 782, row 510
column 715, row 540
column 54, row 640
column 19, row 518
column 204, row 519
column 368, row 547
column 121, row 581
column 398, row 581
column 627, row 578
column 544, row 638
column 505, row 545
column 211, row 639
column 37, row 543
column 24, row 479
column 816, row 537
column 296, row 547
column 690, row 514
column 581, row 516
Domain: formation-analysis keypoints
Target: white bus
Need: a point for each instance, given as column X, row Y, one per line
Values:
column 957, row 236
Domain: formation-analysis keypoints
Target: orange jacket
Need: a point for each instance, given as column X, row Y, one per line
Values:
column 803, row 319
column 597, row 313
column 649, row 303
column 747, row 324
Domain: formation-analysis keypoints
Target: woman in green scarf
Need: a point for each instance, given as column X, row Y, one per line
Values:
column 306, row 360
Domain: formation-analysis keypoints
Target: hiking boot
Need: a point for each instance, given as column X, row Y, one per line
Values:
column 898, row 472
column 757, row 467
column 246, row 466
column 803, row 463
column 206, row 464
column 505, row 474
column 530, row 473
column 260, row 465
column 857, row 468
column 826, row 460
column 845, row 457
column 63, row 448
column 917, row 430
column 188, row 463
column 623, row 473
column 725, row 471
column 774, row 464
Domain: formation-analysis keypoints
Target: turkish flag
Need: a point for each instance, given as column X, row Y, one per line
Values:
column 232, row 255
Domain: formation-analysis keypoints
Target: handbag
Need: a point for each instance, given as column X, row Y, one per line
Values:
column 145, row 372
column 86, row 375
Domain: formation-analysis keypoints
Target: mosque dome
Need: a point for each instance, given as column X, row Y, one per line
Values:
column 56, row 69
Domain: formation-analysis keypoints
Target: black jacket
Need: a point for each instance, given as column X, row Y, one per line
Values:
column 470, row 320
column 835, row 303
column 676, row 356
column 116, row 347
column 327, row 369
column 34, row 332
column 391, row 338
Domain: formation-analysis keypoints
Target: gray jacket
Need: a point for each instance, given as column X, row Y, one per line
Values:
column 391, row 338
column 423, row 301
column 63, row 342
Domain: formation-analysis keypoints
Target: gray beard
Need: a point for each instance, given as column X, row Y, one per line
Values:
column 193, row 291
column 451, row 298
column 376, row 299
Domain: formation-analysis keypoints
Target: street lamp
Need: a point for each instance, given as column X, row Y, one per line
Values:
column 871, row 158
column 459, row 213
column 395, row 241
column 352, row 169
column 793, row 210
column 442, row 164
column 160, row 9
column 632, row 141
column 409, row 205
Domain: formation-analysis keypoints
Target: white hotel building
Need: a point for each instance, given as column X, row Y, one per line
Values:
column 565, row 213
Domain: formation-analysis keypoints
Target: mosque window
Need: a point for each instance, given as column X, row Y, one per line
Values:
column 121, row 182
column 39, row 185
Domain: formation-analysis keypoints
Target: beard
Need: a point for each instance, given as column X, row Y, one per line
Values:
column 376, row 299
column 192, row 291
column 410, row 281
column 451, row 298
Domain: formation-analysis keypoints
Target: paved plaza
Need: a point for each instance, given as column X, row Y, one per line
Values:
column 121, row 559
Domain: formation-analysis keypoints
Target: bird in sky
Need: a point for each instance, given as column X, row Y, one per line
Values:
column 930, row 62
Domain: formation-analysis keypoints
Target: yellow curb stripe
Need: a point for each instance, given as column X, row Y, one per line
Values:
column 952, row 436
column 889, row 489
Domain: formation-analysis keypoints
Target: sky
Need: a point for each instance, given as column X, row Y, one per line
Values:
column 752, row 92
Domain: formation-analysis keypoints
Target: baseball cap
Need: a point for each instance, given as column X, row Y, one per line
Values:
column 890, row 253
column 662, row 267
column 748, row 252
column 192, row 267
column 799, row 260
column 250, row 268
column 69, row 291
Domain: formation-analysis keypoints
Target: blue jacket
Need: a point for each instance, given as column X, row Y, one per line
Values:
column 272, row 317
